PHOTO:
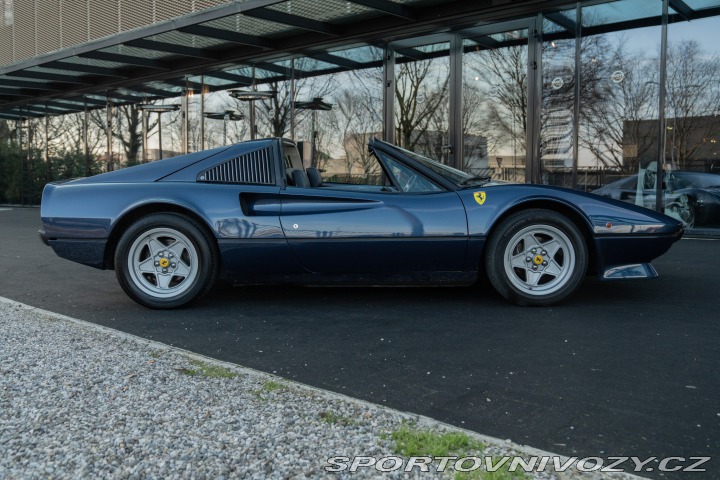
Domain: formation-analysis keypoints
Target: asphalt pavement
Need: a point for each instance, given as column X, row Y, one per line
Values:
column 621, row 369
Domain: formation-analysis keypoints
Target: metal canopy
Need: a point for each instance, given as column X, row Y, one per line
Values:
column 225, row 44
column 228, row 42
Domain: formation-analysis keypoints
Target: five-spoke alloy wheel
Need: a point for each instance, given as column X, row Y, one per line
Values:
column 165, row 261
column 536, row 257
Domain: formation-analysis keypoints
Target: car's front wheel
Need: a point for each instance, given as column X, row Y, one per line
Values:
column 165, row 260
column 536, row 257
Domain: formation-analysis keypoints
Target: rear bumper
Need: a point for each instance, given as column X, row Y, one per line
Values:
column 87, row 252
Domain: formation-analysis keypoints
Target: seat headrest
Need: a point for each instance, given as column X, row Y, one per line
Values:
column 299, row 178
column 314, row 177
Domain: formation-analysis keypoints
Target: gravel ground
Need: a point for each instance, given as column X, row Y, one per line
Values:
column 82, row 401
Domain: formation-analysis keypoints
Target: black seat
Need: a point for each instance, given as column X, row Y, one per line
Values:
column 314, row 177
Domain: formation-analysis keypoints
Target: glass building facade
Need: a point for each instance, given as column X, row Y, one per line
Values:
column 617, row 97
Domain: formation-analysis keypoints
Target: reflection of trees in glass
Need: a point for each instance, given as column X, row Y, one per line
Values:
column 619, row 91
column 693, row 101
column 559, row 91
column 421, row 96
column 619, row 110
column 475, row 142
column 501, row 79
column 272, row 115
column 356, row 121
column 356, row 117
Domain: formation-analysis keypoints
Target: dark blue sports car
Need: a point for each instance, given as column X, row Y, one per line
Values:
column 252, row 213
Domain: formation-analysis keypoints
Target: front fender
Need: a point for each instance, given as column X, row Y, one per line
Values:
column 596, row 212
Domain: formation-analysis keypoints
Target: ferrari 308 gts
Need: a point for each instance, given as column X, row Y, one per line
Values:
column 254, row 213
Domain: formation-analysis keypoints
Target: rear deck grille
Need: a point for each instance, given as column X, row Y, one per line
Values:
column 253, row 167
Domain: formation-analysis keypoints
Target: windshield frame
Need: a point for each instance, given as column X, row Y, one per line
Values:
column 447, row 176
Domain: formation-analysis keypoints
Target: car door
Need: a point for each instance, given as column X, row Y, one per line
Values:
column 375, row 229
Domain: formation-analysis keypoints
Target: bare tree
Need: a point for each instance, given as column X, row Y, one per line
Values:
column 129, row 132
column 273, row 114
column 355, row 121
column 72, row 140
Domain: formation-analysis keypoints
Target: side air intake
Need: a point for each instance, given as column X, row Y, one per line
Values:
column 254, row 167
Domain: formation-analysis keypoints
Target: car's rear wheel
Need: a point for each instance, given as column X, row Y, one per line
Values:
column 536, row 257
column 165, row 260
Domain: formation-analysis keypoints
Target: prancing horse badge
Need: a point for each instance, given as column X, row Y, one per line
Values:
column 480, row 197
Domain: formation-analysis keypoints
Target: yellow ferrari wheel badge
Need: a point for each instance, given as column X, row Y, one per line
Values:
column 164, row 262
column 480, row 197
column 538, row 259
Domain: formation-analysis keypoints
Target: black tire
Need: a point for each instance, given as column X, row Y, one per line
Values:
column 165, row 261
column 536, row 257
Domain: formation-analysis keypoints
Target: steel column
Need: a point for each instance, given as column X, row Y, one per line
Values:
column 109, row 135
column 30, row 153
column 389, row 95
column 48, row 165
column 532, row 140
column 21, row 158
column 659, row 204
column 144, row 120
column 292, row 99
column 88, row 164
column 252, row 108
column 456, row 134
column 576, row 100
column 185, row 107
column 202, row 112
column 160, row 146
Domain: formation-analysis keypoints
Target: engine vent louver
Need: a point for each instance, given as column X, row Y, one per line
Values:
column 253, row 167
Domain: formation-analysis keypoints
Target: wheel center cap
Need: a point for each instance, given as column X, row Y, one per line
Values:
column 538, row 259
column 164, row 262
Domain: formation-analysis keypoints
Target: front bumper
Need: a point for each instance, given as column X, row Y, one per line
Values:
column 629, row 256
column 638, row 270
column 43, row 237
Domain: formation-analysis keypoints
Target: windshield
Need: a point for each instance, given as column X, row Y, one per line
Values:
column 452, row 174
